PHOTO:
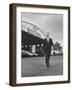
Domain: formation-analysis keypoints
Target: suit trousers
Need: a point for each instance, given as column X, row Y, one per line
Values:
column 47, row 58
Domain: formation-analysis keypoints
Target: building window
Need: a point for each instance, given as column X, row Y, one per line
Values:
column 38, row 45
column 25, row 45
column 41, row 44
column 29, row 45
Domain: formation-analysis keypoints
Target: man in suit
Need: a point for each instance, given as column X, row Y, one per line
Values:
column 47, row 48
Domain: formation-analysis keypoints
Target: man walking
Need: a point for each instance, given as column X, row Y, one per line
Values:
column 47, row 48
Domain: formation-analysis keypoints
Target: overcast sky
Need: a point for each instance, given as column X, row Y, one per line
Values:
column 52, row 23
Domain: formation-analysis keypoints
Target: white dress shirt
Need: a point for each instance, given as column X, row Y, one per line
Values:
column 48, row 40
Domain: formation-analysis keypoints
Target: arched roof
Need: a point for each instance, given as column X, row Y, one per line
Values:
column 33, row 29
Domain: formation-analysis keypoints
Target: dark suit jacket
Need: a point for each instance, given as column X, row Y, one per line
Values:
column 47, row 45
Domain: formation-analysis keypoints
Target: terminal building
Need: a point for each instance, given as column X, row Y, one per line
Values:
column 32, row 40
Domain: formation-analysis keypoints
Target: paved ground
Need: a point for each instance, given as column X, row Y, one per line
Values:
column 35, row 66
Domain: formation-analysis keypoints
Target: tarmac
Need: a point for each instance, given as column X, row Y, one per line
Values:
column 36, row 66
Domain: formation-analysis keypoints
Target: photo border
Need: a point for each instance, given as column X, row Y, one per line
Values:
column 12, row 63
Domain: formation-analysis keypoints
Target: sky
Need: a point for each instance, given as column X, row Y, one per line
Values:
column 52, row 23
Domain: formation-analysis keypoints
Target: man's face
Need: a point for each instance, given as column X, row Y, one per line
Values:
column 47, row 35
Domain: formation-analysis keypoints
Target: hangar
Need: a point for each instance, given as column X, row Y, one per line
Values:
column 31, row 40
